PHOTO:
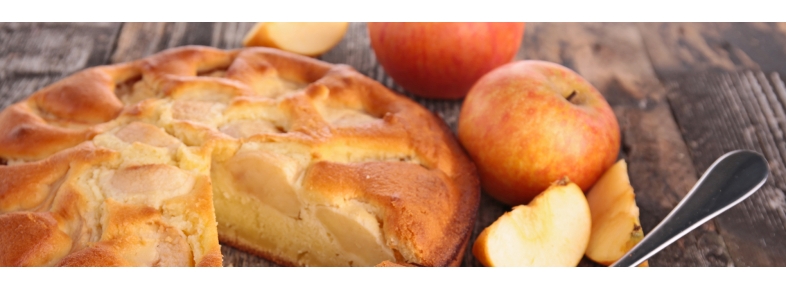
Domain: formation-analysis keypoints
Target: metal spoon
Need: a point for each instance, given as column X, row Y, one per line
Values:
column 728, row 181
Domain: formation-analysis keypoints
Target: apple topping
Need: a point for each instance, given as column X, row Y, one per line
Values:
column 357, row 232
column 615, row 216
column 342, row 117
column 247, row 128
column 198, row 111
column 147, row 134
column 552, row 230
column 310, row 39
column 267, row 177
column 149, row 184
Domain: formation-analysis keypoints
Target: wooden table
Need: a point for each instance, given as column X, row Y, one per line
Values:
column 684, row 94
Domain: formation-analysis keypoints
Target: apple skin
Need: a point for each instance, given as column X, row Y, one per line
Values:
column 443, row 60
column 523, row 133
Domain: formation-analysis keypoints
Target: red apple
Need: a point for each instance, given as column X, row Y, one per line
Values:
column 529, row 123
column 443, row 60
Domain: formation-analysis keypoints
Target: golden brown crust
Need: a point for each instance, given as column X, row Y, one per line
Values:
column 27, row 136
column 31, row 239
column 366, row 143
column 60, row 101
column 95, row 256
column 212, row 259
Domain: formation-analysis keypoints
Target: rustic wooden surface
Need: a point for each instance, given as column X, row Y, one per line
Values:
column 684, row 94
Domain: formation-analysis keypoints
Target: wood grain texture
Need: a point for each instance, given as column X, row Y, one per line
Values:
column 611, row 56
column 683, row 47
column 138, row 40
column 721, row 112
column 33, row 55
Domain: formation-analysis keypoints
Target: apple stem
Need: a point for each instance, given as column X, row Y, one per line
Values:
column 562, row 181
column 570, row 97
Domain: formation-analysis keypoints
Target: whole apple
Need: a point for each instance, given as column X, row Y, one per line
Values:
column 443, row 60
column 529, row 123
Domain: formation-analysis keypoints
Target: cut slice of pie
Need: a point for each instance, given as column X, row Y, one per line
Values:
column 293, row 159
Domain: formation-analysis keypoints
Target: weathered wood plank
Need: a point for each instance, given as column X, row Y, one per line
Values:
column 613, row 58
column 33, row 55
column 720, row 112
column 138, row 40
column 230, row 35
column 683, row 47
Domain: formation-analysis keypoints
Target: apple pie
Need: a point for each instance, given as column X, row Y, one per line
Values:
column 302, row 162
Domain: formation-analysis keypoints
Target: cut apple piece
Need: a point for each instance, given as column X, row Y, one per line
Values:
column 615, row 216
column 553, row 230
column 306, row 38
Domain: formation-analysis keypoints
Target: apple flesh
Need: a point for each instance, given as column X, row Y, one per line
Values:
column 443, row 60
column 305, row 38
column 615, row 216
column 529, row 123
column 553, row 230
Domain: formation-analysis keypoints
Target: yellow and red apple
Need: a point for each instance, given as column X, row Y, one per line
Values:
column 443, row 60
column 529, row 123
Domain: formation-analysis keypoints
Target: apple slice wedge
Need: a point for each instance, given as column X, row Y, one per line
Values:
column 552, row 230
column 615, row 216
column 305, row 38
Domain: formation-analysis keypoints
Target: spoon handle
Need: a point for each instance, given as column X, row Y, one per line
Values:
column 728, row 181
